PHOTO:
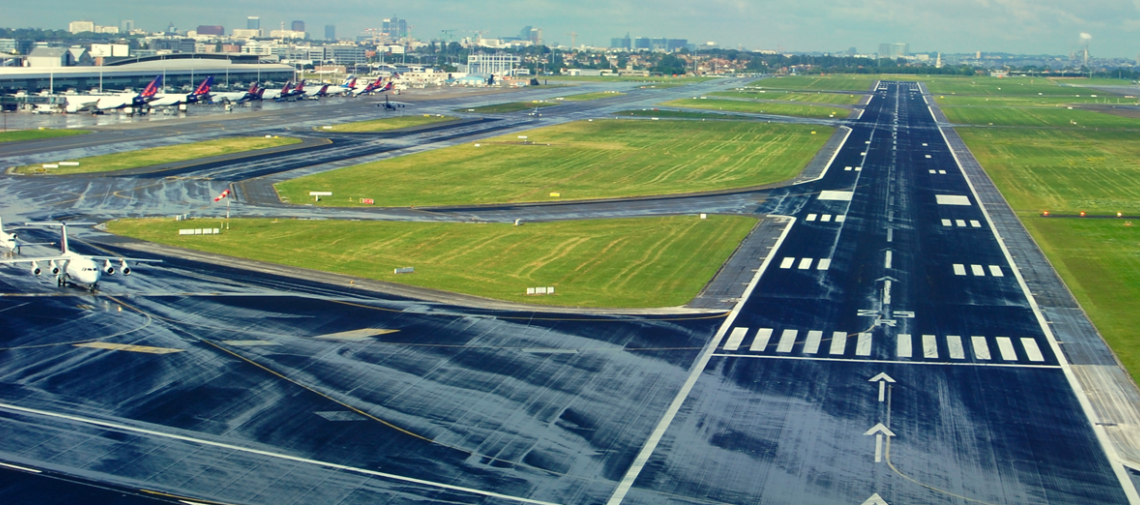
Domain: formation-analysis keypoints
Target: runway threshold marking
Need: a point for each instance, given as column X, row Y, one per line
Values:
column 130, row 348
column 891, row 361
column 247, row 450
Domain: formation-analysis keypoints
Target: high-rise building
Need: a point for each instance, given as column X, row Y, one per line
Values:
column 126, row 25
column 253, row 23
column 330, row 32
column 81, row 26
column 895, row 50
column 210, row 30
column 394, row 28
column 298, row 26
column 642, row 43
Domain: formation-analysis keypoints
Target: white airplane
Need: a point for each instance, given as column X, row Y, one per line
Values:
column 10, row 244
column 234, row 96
column 116, row 101
column 346, row 88
column 75, row 268
column 199, row 93
column 274, row 94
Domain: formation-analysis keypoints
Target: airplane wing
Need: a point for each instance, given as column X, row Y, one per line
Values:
column 68, row 258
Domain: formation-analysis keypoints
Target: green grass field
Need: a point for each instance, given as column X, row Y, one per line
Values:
column 1033, row 100
column 790, row 96
column 592, row 96
column 1057, row 117
column 1061, row 171
column 388, row 123
column 1099, row 260
column 994, row 86
column 834, row 82
column 582, row 160
column 13, row 136
column 503, row 108
column 676, row 114
column 589, row 78
column 640, row 262
column 166, row 154
column 783, row 109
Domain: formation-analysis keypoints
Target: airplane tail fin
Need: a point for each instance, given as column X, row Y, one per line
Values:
column 63, row 238
column 253, row 88
column 152, row 88
column 204, row 88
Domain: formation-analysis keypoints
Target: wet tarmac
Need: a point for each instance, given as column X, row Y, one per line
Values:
column 886, row 347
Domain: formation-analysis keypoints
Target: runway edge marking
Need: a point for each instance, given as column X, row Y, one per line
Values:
column 710, row 348
column 1074, row 383
column 832, row 160
column 335, row 466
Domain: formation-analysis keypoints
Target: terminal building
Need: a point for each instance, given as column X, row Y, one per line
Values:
column 180, row 71
column 492, row 64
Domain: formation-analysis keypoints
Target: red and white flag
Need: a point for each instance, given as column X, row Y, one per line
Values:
column 225, row 194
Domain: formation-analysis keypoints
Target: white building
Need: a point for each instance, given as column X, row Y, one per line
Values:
column 493, row 64
column 80, row 26
column 109, row 50
column 238, row 33
column 287, row 34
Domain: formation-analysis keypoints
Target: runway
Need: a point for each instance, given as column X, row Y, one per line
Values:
column 885, row 348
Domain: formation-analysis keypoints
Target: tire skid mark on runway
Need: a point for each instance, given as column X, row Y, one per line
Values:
column 148, row 322
column 927, row 486
column 177, row 329
column 247, row 450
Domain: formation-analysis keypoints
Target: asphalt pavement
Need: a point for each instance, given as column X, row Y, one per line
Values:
column 884, row 350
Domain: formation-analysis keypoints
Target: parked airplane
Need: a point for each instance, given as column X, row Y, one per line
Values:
column 346, row 88
column 131, row 100
column 235, row 96
column 316, row 95
column 296, row 93
column 75, row 268
column 199, row 93
column 274, row 94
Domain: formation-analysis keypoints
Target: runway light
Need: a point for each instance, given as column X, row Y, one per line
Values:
column 1119, row 214
column 1045, row 214
column 1082, row 213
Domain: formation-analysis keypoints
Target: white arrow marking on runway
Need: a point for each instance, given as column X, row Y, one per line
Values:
column 883, row 379
column 878, row 431
column 875, row 499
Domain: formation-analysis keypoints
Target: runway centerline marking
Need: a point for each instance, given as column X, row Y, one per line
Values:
column 247, row 450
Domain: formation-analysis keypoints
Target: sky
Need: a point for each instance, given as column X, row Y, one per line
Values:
column 949, row 26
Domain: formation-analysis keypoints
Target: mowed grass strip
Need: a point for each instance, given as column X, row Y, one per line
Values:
column 677, row 114
column 165, row 154
column 1099, row 260
column 789, row 96
column 592, row 96
column 1061, row 171
column 503, row 108
column 582, row 160
column 14, row 136
column 757, row 107
column 623, row 263
column 836, row 82
column 388, row 123
column 1058, row 117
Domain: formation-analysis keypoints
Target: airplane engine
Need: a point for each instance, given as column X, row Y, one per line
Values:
column 35, row 269
column 124, row 268
column 108, row 268
column 53, row 268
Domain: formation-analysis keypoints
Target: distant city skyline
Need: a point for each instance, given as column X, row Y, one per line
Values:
column 1040, row 27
